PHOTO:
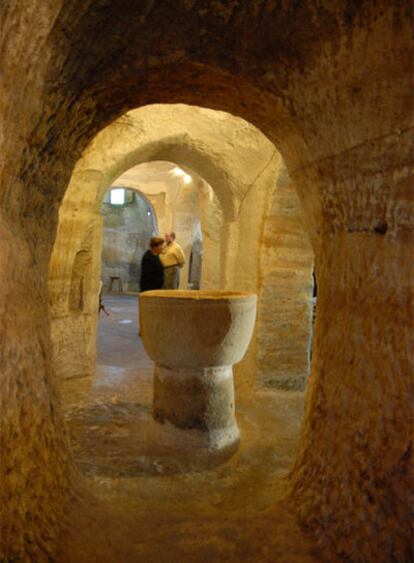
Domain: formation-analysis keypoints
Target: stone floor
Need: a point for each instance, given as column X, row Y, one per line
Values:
column 145, row 503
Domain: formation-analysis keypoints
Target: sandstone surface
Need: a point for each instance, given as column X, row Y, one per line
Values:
column 330, row 84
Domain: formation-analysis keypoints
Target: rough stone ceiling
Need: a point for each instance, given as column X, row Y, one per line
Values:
column 155, row 171
column 246, row 58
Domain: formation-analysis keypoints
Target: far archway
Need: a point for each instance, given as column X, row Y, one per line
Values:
column 178, row 200
column 129, row 220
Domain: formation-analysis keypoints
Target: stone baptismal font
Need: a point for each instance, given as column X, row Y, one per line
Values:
column 194, row 338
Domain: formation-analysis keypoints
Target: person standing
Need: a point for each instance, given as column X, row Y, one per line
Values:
column 152, row 270
column 173, row 259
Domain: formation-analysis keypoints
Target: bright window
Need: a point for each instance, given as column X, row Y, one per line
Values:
column 118, row 197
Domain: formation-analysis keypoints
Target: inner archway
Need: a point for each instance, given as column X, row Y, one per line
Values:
column 175, row 199
column 241, row 184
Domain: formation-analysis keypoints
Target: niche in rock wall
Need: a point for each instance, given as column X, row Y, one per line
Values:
column 195, row 265
column 80, row 271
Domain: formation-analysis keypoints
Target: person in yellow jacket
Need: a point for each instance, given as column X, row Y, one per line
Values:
column 172, row 259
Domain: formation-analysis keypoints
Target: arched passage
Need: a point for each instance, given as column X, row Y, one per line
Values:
column 177, row 199
column 315, row 77
column 242, row 168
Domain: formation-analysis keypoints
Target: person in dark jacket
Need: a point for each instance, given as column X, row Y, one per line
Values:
column 152, row 271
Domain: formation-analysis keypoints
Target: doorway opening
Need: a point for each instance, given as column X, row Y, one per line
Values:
column 241, row 221
column 129, row 220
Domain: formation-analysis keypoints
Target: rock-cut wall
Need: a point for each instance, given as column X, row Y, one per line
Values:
column 285, row 304
column 331, row 85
